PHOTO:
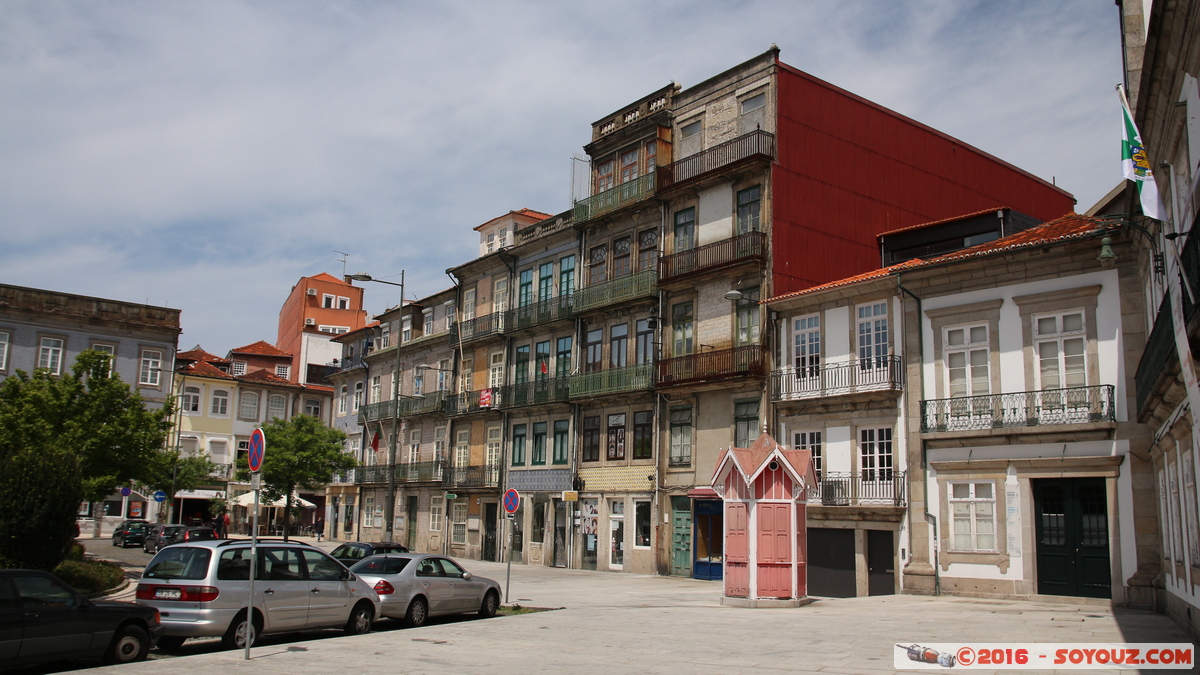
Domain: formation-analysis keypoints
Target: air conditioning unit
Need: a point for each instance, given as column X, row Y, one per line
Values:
column 312, row 292
column 310, row 322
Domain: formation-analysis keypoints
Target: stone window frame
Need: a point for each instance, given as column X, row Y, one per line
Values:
column 1084, row 298
column 948, row 556
column 5, row 349
column 62, row 352
column 945, row 318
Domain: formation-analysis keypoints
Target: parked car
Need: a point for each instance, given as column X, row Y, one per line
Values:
column 130, row 532
column 43, row 619
column 353, row 551
column 159, row 536
column 201, row 588
column 190, row 534
column 415, row 586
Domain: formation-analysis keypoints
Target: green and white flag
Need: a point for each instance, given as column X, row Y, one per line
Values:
column 1135, row 165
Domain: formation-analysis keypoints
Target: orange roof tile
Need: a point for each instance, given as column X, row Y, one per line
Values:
column 356, row 331
column 1070, row 226
column 264, row 376
column 205, row 369
column 199, row 354
column 319, row 387
column 325, row 276
column 260, row 348
column 532, row 214
column 920, row 226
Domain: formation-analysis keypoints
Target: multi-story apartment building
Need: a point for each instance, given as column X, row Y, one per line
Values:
column 206, row 393
column 1162, row 62
column 349, row 379
column 316, row 309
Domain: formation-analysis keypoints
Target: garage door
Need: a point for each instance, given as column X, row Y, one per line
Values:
column 831, row 563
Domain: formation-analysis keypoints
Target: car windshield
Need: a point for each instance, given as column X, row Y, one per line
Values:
column 349, row 552
column 380, row 565
column 179, row 562
column 133, row 527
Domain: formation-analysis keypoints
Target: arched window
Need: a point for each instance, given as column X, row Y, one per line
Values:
column 312, row 407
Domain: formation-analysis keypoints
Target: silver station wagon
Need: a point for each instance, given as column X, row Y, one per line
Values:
column 201, row 588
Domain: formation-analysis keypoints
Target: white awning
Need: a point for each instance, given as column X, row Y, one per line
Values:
column 200, row 494
column 248, row 500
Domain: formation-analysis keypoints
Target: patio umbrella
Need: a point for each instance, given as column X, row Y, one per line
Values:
column 248, row 500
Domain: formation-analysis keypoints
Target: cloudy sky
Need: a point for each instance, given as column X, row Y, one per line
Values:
column 206, row 155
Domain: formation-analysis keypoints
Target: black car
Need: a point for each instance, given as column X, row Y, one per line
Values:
column 42, row 619
column 130, row 532
column 159, row 536
column 353, row 551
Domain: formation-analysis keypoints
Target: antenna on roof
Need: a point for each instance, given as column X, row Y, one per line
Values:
column 343, row 259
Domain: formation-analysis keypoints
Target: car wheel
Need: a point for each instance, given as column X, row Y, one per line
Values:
column 169, row 643
column 235, row 637
column 131, row 644
column 115, row 541
column 418, row 613
column 360, row 619
column 491, row 602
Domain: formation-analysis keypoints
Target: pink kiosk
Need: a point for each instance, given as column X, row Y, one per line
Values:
column 764, row 488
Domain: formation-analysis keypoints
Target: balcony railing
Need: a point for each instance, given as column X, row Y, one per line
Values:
column 613, row 381
column 757, row 143
column 744, row 361
column 434, row 401
column 881, row 487
column 1074, row 405
column 714, row 256
column 608, row 201
column 1159, row 354
column 343, row 477
column 477, row 328
column 474, row 401
column 536, row 392
column 538, row 313
column 881, row 373
column 484, row 475
column 620, row 290
column 406, row 472
column 350, row 362
column 223, row 471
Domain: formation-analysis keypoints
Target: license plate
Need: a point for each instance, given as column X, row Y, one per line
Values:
column 168, row 594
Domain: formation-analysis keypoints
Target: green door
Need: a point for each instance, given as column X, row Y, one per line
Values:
column 411, row 523
column 681, row 541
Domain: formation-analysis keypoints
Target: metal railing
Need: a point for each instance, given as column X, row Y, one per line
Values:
column 881, row 487
column 744, row 361
column 350, row 362
column 630, row 287
column 482, row 475
column 1159, row 354
column 882, row 373
column 371, row 474
column 538, row 313
column 434, row 401
column 613, row 381
column 1074, row 405
column 550, row 390
column 343, row 477
column 748, row 246
column 474, row 401
column 477, row 328
column 406, row 472
column 757, row 143
column 610, row 200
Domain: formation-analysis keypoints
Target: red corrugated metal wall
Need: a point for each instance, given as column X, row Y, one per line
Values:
column 848, row 170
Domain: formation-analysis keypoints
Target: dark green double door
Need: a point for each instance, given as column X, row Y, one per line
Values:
column 1072, row 537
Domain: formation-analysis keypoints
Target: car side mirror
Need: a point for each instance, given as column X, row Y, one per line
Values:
column 466, row 576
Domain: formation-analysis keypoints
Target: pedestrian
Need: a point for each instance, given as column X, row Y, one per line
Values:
column 225, row 526
column 320, row 528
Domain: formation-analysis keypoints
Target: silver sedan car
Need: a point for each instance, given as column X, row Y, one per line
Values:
column 416, row 586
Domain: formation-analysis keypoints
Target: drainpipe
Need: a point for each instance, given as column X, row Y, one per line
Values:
column 929, row 517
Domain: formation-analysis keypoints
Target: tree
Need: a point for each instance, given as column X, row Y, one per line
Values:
column 301, row 453
column 64, row 439
column 172, row 473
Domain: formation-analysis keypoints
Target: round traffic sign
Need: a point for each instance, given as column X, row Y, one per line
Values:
column 126, row 491
column 512, row 500
column 258, row 448
column 160, row 496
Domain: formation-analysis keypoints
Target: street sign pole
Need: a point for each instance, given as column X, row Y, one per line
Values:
column 512, row 502
column 254, row 459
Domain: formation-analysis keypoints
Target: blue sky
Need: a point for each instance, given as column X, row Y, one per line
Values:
column 206, row 155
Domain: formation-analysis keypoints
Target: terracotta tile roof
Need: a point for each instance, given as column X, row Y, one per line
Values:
column 205, row 369
column 356, row 331
column 264, row 376
column 260, row 348
column 319, row 387
column 532, row 214
column 325, row 276
column 198, row 354
column 921, row 226
column 1070, row 226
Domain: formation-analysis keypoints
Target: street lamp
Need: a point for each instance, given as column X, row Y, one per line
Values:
column 389, row 509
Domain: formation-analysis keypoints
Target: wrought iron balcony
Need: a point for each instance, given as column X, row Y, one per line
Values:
column 538, row 313
column 535, row 392
column 1159, row 355
column 434, row 401
column 623, row 195
column 477, row 328
column 624, row 289
column 350, row 363
column 223, row 471
column 744, row 361
column 880, row 487
column 1074, row 405
column 406, row 472
column 714, row 256
column 881, row 373
column 343, row 477
column 482, row 475
column 756, row 144
column 612, row 381
column 474, row 401
column 371, row 474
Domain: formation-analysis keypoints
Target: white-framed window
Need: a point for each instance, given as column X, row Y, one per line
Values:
column 875, row 454
column 358, row 397
column 616, row 528
column 754, row 102
column 873, row 343
column 283, row 371
column 468, row 309
column 496, row 372
column 427, row 318
column 437, row 507
column 414, row 447
column 500, row 294
column 343, row 303
column 813, row 442
column 494, row 434
column 3, row 351
column 190, row 401
column 109, row 350
column 343, row 399
column 439, row 444
column 237, row 368
column 385, row 335
column 277, row 406
column 462, row 448
column 335, row 330
column 418, row 382
column 450, row 314
column 681, row 437
column 973, row 509
column 806, row 346
column 248, row 405
column 376, row 388
column 312, row 407
column 459, row 533
column 405, row 329
column 327, row 301
column 50, row 355
column 466, row 374
column 1060, row 347
column 967, row 361
column 220, row 403
column 443, row 375
column 151, row 370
